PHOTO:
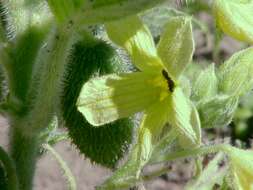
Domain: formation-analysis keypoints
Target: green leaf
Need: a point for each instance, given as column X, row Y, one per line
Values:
column 176, row 45
column 105, row 145
column 101, row 11
column 108, row 98
column 64, row 10
column 235, row 18
column 242, row 167
column 206, row 85
column 217, row 111
column 137, row 40
column 235, row 75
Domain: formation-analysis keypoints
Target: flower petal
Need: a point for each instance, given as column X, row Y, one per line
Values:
column 176, row 45
column 154, row 120
column 105, row 99
column 131, row 34
column 180, row 117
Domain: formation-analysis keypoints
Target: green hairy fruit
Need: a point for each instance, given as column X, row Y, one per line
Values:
column 107, row 144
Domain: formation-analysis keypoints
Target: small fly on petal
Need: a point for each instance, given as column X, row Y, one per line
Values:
column 171, row 84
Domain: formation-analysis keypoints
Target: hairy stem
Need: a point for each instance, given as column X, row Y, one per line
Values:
column 162, row 145
column 193, row 152
column 183, row 154
column 45, row 91
column 156, row 173
column 47, row 79
column 10, row 170
column 24, row 152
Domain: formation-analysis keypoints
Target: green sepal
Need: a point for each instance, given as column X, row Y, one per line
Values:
column 235, row 75
column 217, row 111
column 107, row 144
column 206, row 85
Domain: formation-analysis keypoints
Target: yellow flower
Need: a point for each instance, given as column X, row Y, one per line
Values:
column 154, row 90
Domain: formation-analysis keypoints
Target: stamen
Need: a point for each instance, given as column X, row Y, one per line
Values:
column 170, row 82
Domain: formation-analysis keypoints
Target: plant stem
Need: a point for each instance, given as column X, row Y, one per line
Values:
column 47, row 79
column 42, row 104
column 162, row 145
column 10, row 170
column 157, row 173
column 24, row 152
column 193, row 152
column 217, row 45
column 182, row 154
column 198, row 167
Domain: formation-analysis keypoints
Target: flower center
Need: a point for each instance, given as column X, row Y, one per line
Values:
column 165, row 84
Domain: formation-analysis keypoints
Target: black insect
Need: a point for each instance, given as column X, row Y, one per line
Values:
column 170, row 82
